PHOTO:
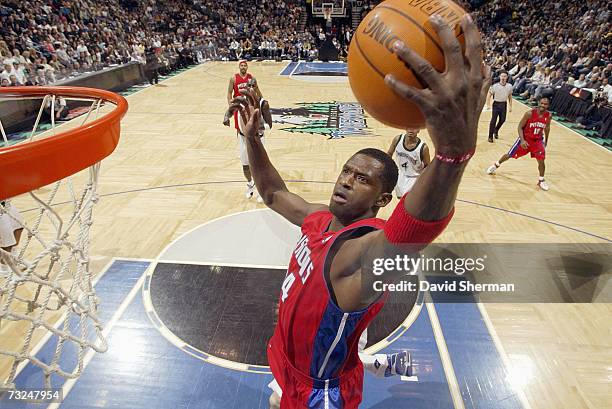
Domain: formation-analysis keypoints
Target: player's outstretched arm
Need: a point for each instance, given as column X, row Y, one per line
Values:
column 268, row 181
column 451, row 104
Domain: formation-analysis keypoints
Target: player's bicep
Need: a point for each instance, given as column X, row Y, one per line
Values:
column 291, row 206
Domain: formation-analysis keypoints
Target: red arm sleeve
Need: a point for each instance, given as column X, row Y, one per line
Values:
column 403, row 228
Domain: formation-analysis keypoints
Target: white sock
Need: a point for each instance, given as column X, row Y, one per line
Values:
column 541, row 178
column 497, row 164
column 251, row 183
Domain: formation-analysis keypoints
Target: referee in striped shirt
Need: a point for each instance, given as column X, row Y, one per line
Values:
column 501, row 93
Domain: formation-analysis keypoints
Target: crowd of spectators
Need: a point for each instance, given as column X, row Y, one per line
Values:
column 546, row 45
column 542, row 44
column 43, row 41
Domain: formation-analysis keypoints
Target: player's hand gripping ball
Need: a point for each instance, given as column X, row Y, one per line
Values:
column 371, row 55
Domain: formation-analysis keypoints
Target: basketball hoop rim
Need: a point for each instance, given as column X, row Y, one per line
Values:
column 30, row 165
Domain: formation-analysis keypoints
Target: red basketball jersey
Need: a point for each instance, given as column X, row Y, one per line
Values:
column 534, row 128
column 313, row 352
column 239, row 83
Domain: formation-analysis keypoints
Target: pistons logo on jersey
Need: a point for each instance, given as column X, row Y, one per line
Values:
column 301, row 257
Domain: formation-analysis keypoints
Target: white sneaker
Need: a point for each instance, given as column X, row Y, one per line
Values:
column 491, row 170
column 543, row 185
column 250, row 189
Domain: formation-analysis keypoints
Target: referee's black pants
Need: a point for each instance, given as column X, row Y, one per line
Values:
column 497, row 118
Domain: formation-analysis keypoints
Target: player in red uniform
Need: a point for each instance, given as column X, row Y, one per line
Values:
column 328, row 297
column 533, row 138
column 238, row 82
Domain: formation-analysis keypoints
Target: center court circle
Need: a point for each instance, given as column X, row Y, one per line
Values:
column 214, row 291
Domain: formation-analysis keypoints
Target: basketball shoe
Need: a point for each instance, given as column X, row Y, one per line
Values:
column 543, row 185
column 250, row 189
column 388, row 365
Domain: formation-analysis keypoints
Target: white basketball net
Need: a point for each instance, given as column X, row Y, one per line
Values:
column 45, row 282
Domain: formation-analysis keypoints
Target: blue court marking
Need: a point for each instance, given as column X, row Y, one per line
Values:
column 142, row 370
column 312, row 68
column 289, row 68
column 111, row 289
column 430, row 392
column 479, row 369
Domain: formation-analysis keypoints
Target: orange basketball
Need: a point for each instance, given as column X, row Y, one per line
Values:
column 371, row 58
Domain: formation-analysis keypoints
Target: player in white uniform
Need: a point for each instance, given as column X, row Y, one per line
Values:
column 264, row 109
column 11, row 227
column 412, row 156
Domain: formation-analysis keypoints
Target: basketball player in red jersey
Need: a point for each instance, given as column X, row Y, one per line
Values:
column 328, row 297
column 533, row 138
column 239, row 81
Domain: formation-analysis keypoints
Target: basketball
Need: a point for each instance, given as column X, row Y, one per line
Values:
column 371, row 55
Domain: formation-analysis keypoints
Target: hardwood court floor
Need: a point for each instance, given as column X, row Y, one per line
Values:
column 177, row 167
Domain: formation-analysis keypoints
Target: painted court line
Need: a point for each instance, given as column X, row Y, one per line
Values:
column 449, row 371
column 295, row 68
column 221, row 264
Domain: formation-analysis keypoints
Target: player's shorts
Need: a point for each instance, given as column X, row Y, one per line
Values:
column 9, row 222
column 242, row 149
column 299, row 391
column 404, row 185
column 536, row 148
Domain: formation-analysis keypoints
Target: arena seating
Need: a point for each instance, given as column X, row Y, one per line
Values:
column 542, row 48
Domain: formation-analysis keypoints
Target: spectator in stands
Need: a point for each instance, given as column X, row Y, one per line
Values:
column 518, row 71
column 581, row 82
column 534, row 90
column 521, row 87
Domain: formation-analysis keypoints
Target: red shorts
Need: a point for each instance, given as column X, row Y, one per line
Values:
column 303, row 392
column 536, row 148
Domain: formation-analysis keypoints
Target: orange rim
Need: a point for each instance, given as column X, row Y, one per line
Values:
column 30, row 165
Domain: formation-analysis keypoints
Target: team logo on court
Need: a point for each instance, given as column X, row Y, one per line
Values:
column 333, row 119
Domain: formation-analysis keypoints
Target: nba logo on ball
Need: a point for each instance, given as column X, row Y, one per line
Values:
column 371, row 55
